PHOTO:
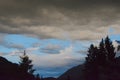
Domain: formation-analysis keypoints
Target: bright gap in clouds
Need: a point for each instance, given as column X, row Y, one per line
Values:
column 47, row 54
column 115, row 37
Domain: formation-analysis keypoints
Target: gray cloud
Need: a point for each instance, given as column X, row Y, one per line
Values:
column 4, row 43
column 15, row 46
column 51, row 49
column 12, row 46
column 2, row 37
column 78, row 19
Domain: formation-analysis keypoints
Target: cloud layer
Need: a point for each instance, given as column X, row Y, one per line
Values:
column 76, row 19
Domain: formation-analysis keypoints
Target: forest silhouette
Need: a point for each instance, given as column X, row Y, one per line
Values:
column 101, row 63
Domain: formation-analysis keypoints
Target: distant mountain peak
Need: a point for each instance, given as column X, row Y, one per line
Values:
column 116, row 44
column 117, row 41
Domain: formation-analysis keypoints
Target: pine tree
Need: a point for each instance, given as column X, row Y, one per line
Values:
column 25, row 64
column 109, row 49
column 97, row 58
column 92, row 54
column 91, row 71
column 102, row 53
column 105, row 52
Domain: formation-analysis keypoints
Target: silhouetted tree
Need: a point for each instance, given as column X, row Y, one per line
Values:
column 90, row 71
column 97, row 57
column 102, row 55
column 105, row 52
column 25, row 64
column 109, row 49
column 92, row 54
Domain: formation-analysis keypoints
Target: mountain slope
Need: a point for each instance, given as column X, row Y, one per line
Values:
column 74, row 73
column 11, row 71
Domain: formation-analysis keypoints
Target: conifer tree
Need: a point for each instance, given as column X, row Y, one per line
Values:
column 102, row 53
column 90, row 71
column 91, row 56
column 26, row 64
column 98, row 57
column 105, row 52
column 109, row 49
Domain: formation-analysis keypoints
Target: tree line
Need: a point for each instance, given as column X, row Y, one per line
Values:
column 101, row 62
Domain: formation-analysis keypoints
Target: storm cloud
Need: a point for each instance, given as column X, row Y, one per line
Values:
column 76, row 19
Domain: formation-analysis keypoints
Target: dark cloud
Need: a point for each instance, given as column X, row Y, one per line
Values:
column 54, row 18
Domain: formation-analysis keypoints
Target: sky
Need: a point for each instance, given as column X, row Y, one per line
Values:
column 56, row 34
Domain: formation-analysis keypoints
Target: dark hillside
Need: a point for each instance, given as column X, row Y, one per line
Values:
column 11, row 71
column 74, row 73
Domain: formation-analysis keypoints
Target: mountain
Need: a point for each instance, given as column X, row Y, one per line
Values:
column 116, row 44
column 11, row 71
column 5, row 66
column 74, row 73
column 117, row 41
